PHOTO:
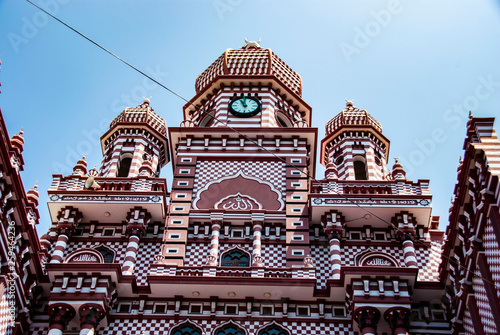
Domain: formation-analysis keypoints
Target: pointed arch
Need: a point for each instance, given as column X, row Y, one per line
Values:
column 186, row 328
column 230, row 328
column 108, row 254
column 273, row 329
column 235, row 256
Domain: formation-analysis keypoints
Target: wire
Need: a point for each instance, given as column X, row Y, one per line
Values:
column 253, row 141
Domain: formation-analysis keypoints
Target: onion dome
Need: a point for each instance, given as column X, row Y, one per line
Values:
column 17, row 141
column 351, row 116
column 33, row 195
column 80, row 167
column 250, row 60
column 397, row 170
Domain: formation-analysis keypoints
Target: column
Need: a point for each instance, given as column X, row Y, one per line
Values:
column 68, row 219
column 137, row 221
column 256, row 253
column 335, row 254
column 214, row 243
column 409, row 251
column 90, row 316
column 405, row 223
column 60, row 315
column 399, row 320
column 367, row 319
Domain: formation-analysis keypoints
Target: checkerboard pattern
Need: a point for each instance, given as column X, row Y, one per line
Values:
column 492, row 252
column 196, row 254
column 483, row 305
column 39, row 330
column 468, row 325
column 162, row 326
column 118, row 247
column 5, row 317
column 145, row 256
column 272, row 172
column 349, row 253
column 274, row 255
column 428, row 260
column 321, row 256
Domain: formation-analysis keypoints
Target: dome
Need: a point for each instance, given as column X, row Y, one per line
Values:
column 250, row 60
column 351, row 116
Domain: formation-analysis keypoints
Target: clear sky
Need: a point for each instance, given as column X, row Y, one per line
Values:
column 418, row 67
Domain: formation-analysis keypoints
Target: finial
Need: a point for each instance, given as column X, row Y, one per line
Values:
column 21, row 132
column 460, row 160
column 252, row 44
column 396, row 160
column 146, row 100
column 349, row 103
column 470, row 115
column 36, row 185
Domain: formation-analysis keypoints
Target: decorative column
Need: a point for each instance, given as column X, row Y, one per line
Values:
column 333, row 223
column 257, row 234
column 60, row 315
column 68, row 218
column 214, row 243
column 137, row 221
column 399, row 320
column 367, row 319
column 90, row 316
column 405, row 223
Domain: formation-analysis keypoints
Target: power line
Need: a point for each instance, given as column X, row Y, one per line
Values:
column 253, row 141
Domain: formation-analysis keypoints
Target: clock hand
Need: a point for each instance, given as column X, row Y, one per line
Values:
column 244, row 101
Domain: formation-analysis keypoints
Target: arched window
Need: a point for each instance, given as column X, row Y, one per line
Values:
column 107, row 254
column 186, row 329
column 230, row 329
column 235, row 257
column 283, row 120
column 273, row 330
column 360, row 168
column 206, row 120
column 124, row 166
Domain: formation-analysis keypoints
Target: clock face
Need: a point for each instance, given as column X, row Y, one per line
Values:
column 244, row 106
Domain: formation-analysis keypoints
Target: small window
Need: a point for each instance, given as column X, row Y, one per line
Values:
column 181, row 195
column 186, row 160
column 106, row 253
column 339, row 160
column 172, row 250
column 380, row 236
column 266, row 310
column 179, row 208
column 182, row 183
column 303, row 311
column 296, row 160
column 297, row 252
column 297, row 197
column 160, row 308
column 78, row 232
column 195, row 308
column 283, row 120
column 297, row 223
column 176, row 221
column 174, row 236
column 235, row 258
column 296, row 210
column 231, row 309
column 124, row 165
column 296, row 173
column 108, row 232
column 207, row 120
column 296, row 184
column 339, row 312
column 298, row 238
column 237, row 233
column 353, row 235
column 124, row 308
column 184, row 171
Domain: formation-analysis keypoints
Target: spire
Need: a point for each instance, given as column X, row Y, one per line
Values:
column 80, row 167
column 33, row 195
column 397, row 170
column 17, row 141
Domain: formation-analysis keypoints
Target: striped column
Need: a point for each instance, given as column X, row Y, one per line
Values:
column 68, row 219
column 60, row 315
column 137, row 221
column 90, row 316
column 256, row 253
column 409, row 252
column 335, row 255
column 137, row 160
column 214, row 243
column 367, row 319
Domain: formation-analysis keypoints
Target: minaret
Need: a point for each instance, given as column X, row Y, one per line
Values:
column 354, row 144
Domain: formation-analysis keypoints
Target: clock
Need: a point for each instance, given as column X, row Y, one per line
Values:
column 244, row 106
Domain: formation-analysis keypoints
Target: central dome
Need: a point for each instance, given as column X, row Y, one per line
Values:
column 250, row 60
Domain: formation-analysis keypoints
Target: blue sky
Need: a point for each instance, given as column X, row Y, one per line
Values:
column 418, row 67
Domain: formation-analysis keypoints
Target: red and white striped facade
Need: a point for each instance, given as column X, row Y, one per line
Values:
column 248, row 241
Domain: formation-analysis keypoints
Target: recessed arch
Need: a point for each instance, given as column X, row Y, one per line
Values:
column 186, row 328
column 273, row 329
column 107, row 253
column 230, row 328
column 360, row 171
column 124, row 164
column 235, row 257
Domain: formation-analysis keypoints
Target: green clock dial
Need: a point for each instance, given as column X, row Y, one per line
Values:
column 244, row 106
